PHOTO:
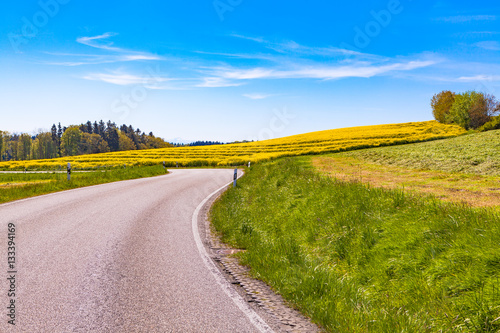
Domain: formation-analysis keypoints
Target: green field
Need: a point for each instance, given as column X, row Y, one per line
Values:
column 14, row 186
column 356, row 258
column 477, row 153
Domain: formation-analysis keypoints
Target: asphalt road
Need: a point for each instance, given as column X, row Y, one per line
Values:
column 120, row 257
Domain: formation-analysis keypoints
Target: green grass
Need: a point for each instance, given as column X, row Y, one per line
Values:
column 14, row 186
column 477, row 153
column 361, row 259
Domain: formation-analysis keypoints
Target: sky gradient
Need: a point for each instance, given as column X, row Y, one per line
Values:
column 239, row 69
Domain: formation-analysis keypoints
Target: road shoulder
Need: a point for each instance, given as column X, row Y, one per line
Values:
column 258, row 295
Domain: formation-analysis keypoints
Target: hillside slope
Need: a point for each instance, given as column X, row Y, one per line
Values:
column 237, row 154
column 357, row 258
column 477, row 153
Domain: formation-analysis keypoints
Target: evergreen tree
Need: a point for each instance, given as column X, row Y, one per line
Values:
column 89, row 127
column 59, row 136
column 101, row 128
column 59, row 131
column 53, row 132
column 112, row 136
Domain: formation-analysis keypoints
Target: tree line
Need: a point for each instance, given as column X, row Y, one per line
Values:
column 207, row 143
column 88, row 138
column 470, row 110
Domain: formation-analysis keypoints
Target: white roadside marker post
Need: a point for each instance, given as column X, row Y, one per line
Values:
column 249, row 165
column 164, row 167
column 235, row 177
column 69, row 171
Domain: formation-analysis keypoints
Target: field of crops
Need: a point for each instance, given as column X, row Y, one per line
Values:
column 238, row 154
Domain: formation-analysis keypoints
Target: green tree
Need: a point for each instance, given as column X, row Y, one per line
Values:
column 24, row 147
column 59, row 137
column 70, row 141
column 441, row 104
column 84, row 147
column 460, row 112
column 102, row 146
column 126, row 143
column 92, row 144
column 43, row 146
column 1, row 145
column 11, row 146
column 112, row 138
column 89, row 127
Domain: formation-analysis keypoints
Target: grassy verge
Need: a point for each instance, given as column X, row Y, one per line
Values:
column 476, row 153
column 14, row 186
column 473, row 189
column 362, row 259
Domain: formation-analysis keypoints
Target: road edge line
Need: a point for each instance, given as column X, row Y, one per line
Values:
column 254, row 318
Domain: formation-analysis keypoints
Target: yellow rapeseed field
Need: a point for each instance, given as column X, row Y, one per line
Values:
column 241, row 153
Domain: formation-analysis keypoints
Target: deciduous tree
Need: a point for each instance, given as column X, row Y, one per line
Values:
column 441, row 104
column 126, row 143
column 460, row 112
column 70, row 141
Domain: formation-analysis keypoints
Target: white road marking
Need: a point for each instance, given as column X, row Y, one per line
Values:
column 254, row 318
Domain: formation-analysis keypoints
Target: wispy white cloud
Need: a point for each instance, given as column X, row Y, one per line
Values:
column 258, row 96
column 96, row 41
column 476, row 34
column 283, row 60
column 467, row 18
column 125, row 79
column 119, row 79
column 489, row 45
column 484, row 32
column 217, row 82
column 255, row 39
column 140, row 56
column 292, row 47
column 479, row 78
column 319, row 71
column 255, row 56
column 113, row 54
column 159, row 82
column 290, row 60
column 98, row 59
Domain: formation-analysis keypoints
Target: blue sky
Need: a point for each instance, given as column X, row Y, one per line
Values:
column 240, row 69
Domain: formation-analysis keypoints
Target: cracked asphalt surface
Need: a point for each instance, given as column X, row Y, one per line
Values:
column 118, row 257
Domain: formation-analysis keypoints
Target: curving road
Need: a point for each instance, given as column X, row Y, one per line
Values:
column 120, row 257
